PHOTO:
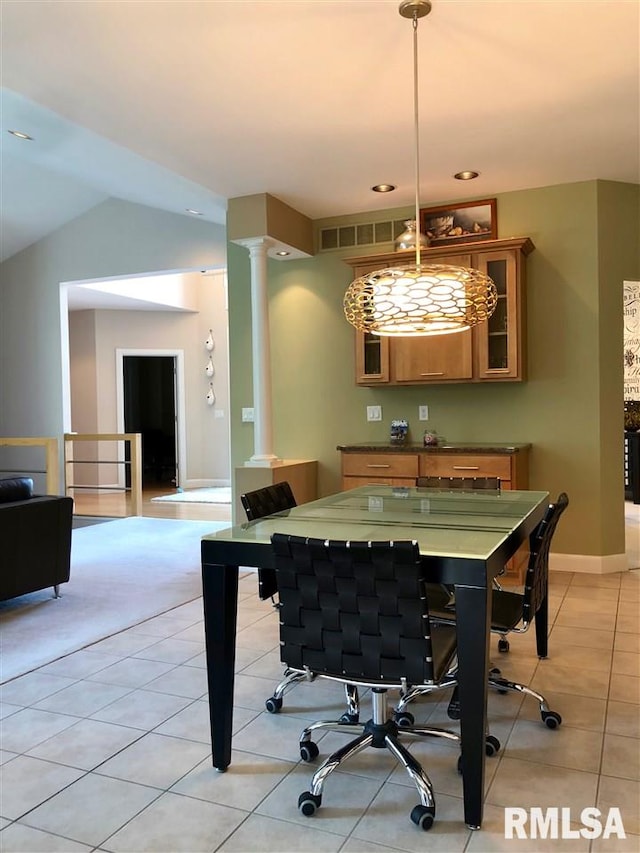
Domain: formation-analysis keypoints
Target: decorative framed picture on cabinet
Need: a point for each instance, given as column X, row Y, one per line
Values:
column 468, row 222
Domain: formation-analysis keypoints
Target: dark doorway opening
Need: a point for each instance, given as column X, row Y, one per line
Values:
column 149, row 387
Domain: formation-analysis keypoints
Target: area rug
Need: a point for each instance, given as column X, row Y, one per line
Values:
column 217, row 495
column 122, row 572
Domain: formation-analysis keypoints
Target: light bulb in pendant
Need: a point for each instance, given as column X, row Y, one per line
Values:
column 209, row 368
column 209, row 343
column 211, row 397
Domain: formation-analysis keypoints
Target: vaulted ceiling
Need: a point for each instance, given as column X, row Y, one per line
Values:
column 182, row 104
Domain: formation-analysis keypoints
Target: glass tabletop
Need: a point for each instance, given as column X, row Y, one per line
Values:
column 455, row 523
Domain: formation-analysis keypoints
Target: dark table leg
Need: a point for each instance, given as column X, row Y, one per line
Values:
column 542, row 628
column 220, row 599
column 473, row 619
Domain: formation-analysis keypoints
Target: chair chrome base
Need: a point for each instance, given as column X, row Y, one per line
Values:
column 294, row 676
column 380, row 732
column 551, row 719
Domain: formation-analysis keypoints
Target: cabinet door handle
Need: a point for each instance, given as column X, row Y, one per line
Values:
column 466, row 467
column 440, row 373
column 378, row 465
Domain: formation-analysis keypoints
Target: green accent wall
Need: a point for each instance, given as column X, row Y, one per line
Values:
column 569, row 409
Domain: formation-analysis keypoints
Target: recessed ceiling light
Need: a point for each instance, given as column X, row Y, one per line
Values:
column 194, row 212
column 20, row 134
column 282, row 253
column 383, row 188
column 467, row 175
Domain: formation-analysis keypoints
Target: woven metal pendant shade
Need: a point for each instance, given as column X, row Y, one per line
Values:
column 429, row 299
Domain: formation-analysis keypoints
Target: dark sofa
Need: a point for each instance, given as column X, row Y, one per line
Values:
column 35, row 539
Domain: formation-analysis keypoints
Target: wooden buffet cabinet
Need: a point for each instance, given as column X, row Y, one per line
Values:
column 491, row 352
column 363, row 464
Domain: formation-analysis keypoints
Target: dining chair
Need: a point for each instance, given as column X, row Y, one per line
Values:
column 511, row 612
column 259, row 503
column 357, row 612
column 492, row 483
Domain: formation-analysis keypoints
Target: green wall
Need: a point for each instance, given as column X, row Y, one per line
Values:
column 570, row 409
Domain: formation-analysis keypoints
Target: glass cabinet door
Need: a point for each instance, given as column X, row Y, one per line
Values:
column 372, row 358
column 498, row 341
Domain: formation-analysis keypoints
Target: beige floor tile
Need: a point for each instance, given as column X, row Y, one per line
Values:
column 32, row 687
column 82, row 698
column 592, row 581
column 628, row 623
column 598, row 621
column 387, row 821
column 559, row 679
column 192, row 634
column 577, row 657
column 248, row 780
column 525, row 784
column 579, row 712
column 124, row 644
column 80, row 664
column 27, row 782
column 628, row 609
column 91, row 809
column 170, row 650
column 18, row 838
column 585, row 637
column 142, row 709
column 621, row 757
column 131, row 672
column 491, row 838
column 187, row 681
column 155, row 760
column 343, row 802
column 6, row 710
column 174, row 823
column 357, row 845
column 592, row 593
column 29, row 727
column 623, row 718
column 267, row 835
column 587, row 607
column 624, row 795
column 626, row 663
column 164, row 626
column 625, row 688
column 191, row 723
column 630, row 844
column 85, row 744
column 6, row 756
column 576, row 749
column 272, row 735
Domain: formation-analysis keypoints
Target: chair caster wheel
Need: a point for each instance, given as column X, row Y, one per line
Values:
column 349, row 718
column 503, row 646
column 495, row 672
column 403, row 720
column 453, row 710
column 309, row 751
column 551, row 719
column 423, row 816
column 273, row 704
column 308, row 804
column 491, row 745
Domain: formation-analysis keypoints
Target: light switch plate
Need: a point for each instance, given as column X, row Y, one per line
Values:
column 423, row 413
column 374, row 413
column 247, row 416
column 218, row 413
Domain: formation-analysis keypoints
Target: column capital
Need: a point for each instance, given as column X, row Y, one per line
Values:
column 257, row 246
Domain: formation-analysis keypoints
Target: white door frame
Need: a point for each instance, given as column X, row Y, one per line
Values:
column 181, row 410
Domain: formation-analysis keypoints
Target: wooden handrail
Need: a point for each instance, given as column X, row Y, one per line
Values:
column 135, row 445
column 50, row 461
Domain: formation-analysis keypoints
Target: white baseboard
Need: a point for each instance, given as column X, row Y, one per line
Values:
column 587, row 564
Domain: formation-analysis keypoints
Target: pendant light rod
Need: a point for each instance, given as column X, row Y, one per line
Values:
column 415, row 9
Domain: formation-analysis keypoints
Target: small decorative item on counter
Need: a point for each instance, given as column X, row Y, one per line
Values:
column 430, row 438
column 399, row 432
column 632, row 415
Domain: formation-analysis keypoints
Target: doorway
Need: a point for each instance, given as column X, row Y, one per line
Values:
column 149, row 398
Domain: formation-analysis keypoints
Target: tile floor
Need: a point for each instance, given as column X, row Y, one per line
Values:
column 108, row 748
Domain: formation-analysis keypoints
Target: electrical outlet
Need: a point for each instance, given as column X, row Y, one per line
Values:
column 219, row 413
column 423, row 413
column 374, row 413
column 247, row 416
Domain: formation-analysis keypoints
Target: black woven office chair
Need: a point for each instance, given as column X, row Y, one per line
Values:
column 486, row 483
column 357, row 612
column 512, row 612
column 257, row 504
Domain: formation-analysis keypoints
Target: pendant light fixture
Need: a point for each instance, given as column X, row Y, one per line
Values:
column 424, row 299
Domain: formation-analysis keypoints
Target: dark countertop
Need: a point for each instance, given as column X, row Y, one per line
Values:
column 447, row 447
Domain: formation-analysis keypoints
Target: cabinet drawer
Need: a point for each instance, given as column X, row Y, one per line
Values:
column 380, row 465
column 465, row 465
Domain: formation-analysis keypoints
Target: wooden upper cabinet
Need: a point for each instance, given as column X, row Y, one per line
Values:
column 492, row 351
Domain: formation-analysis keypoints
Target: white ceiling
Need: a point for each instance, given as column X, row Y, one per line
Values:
column 186, row 104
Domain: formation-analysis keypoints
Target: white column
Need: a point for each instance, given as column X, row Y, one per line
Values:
column 263, row 454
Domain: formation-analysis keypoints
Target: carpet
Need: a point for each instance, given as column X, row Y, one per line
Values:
column 122, row 572
column 218, row 495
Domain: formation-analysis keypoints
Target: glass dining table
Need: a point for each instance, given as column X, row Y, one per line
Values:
column 465, row 539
